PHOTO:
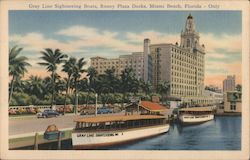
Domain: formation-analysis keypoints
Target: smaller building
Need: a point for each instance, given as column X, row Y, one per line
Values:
column 214, row 97
column 134, row 61
column 147, row 107
column 229, row 84
column 232, row 102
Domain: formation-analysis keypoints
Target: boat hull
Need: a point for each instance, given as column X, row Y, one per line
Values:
column 90, row 140
column 193, row 119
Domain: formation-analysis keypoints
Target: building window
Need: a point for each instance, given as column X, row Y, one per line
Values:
column 233, row 106
column 188, row 43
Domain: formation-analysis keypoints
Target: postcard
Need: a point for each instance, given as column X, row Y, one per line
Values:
column 124, row 80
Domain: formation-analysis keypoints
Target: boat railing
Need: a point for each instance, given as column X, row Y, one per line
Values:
column 119, row 126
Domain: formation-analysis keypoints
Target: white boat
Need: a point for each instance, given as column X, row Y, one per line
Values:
column 196, row 114
column 94, row 132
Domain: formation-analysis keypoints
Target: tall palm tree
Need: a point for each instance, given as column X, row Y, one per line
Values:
column 17, row 67
column 110, row 80
column 77, row 72
column 92, row 76
column 128, row 82
column 108, row 85
column 68, row 67
column 92, row 73
column 52, row 60
column 163, row 88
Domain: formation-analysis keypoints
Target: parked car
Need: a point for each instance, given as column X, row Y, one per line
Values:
column 103, row 110
column 47, row 114
column 87, row 112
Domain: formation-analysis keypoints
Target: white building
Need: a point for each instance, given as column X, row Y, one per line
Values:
column 134, row 61
column 213, row 97
column 181, row 65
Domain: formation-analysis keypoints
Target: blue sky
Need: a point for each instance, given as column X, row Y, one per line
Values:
column 112, row 33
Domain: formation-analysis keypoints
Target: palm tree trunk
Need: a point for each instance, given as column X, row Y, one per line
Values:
column 11, row 89
column 76, row 100
column 87, row 99
column 53, row 88
column 123, row 99
column 67, row 89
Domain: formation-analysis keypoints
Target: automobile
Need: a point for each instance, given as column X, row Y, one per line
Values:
column 103, row 110
column 47, row 114
column 87, row 112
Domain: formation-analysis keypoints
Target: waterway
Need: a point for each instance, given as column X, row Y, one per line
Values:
column 222, row 133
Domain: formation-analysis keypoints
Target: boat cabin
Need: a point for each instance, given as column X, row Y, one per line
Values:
column 196, row 110
column 102, row 123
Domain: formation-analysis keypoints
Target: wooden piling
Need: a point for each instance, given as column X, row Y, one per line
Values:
column 36, row 142
column 59, row 140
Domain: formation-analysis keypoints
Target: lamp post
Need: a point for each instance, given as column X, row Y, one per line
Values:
column 76, row 106
column 96, row 96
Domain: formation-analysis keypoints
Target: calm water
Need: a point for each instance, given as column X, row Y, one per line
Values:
column 223, row 133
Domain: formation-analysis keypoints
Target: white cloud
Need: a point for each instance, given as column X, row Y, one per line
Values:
column 78, row 31
column 37, row 42
column 92, row 37
column 230, row 43
column 215, row 55
column 155, row 37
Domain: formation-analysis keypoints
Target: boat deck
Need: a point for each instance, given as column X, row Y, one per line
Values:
column 99, row 119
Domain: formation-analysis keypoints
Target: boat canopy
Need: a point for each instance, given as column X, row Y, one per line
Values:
column 100, row 119
column 198, row 109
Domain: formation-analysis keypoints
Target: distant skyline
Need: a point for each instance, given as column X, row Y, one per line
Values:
column 113, row 33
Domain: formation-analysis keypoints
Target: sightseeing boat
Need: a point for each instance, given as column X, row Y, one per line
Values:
column 196, row 114
column 99, row 131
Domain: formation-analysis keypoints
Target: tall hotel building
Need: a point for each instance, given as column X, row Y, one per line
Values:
column 181, row 65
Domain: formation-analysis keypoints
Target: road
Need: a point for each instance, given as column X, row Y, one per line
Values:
column 22, row 125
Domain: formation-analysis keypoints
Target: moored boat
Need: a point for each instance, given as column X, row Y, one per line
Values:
column 94, row 132
column 196, row 115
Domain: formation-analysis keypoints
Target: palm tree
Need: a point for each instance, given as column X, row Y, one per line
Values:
column 20, row 85
column 110, row 80
column 163, row 88
column 36, row 86
column 52, row 60
column 238, row 87
column 17, row 67
column 128, row 82
column 92, row 75
column 146, row 87
column 108, row 85
column 77, row 71
column 68, row 67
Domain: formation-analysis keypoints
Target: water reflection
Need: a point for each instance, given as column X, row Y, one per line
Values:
column 222, row 133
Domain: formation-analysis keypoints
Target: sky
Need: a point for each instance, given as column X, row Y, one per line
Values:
column 113, row 33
